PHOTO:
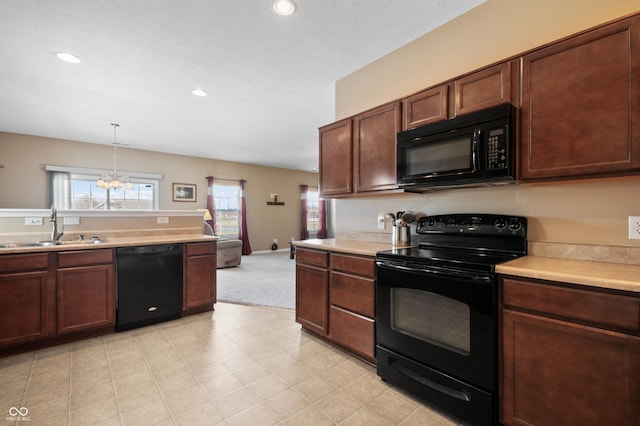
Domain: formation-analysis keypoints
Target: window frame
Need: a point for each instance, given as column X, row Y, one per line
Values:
column 313, row 233
column 216, row 203
column 87, row 174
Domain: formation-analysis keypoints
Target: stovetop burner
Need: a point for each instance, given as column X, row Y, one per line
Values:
column 465, row 241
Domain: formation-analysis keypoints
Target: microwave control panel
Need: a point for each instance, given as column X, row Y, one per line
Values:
column 497, row 149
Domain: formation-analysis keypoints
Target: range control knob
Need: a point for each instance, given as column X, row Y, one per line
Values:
column 514, row 224
column 501, row 224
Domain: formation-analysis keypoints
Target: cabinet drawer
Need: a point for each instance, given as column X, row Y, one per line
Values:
column 354, row 264
column 607, row 310
column 23, row 262
column 312, row 257
column 200, row 249
column 353, row 331
column 353, row 293
column 69, row 259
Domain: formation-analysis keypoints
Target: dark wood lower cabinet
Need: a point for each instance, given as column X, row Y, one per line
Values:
column 85, row 290
column 26, row 298
column 312, row 290
column 353, row 331
column 335, row 299
column 558, row 366
column 199, row 292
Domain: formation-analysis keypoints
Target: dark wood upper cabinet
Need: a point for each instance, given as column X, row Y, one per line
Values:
column 358, row 154
column 580, row 104
column 488, row 87
column 478, row 90
column 336, row 153
column 374, row 146
column 425, row 107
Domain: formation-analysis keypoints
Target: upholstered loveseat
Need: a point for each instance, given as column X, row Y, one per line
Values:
column 229, row 253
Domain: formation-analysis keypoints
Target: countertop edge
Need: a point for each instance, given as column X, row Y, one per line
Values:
column 112, row 243
column 613, row 276
column 364, row 248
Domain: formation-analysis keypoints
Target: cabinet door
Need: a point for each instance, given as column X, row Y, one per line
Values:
column 556, row 372
column 24, row 313
column 485, row 88
column 580, row 105
column 200, row 281
column 374, row 145
column 85, row 297
column 312, row 298
column 426, row 107
column 336, row 159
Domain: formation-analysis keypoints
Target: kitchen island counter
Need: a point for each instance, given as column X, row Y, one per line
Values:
column 614, row 276
column 111, row 242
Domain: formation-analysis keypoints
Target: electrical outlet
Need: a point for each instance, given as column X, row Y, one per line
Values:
column 275, row 241
column 381, row 221
column 71, row 220
column 32, row 221
column 162, row 219
column 634, row 227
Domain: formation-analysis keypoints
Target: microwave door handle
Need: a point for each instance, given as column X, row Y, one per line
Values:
column 475, row 149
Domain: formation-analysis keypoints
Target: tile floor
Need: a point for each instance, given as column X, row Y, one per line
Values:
column 238, row 365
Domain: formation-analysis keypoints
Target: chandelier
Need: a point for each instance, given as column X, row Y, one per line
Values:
column 114, row 181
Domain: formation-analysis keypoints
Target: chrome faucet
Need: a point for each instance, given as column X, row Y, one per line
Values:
column 55, row 236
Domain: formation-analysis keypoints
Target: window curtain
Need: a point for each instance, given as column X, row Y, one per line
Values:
column 211, row 205
column 61, row 190
column 322, row 219
column 242, row 226
column 304, row 231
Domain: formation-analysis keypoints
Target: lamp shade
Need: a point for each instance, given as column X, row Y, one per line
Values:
column 207, row 214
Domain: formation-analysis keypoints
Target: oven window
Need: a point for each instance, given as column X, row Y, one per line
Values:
column 443, row 156
column 432, row 318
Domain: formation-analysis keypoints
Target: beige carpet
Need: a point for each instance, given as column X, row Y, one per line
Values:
column 263, row 279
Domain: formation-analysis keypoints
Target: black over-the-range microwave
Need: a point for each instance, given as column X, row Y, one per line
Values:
column 473, row 149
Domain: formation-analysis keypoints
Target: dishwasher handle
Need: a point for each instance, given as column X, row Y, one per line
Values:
column 152, row 250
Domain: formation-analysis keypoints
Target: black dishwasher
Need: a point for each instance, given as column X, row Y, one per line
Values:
column 149, row 285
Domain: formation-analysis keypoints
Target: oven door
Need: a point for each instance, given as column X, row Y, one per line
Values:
column 441, row 318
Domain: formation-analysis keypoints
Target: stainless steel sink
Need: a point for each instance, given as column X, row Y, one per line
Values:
column 82, row 242
column 18, row 245
column 50, row 243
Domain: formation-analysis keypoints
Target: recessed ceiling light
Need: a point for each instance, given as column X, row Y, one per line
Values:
column 199, row 92
column 68, row 57
column 284, row 7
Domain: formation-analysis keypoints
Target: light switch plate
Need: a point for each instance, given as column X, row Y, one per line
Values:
column 32, row 221
column 634, row 227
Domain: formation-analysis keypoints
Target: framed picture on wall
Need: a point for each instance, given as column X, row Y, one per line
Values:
column 184, row 192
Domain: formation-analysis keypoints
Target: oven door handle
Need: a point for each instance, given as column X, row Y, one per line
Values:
column 456, row 275
column 462, row 395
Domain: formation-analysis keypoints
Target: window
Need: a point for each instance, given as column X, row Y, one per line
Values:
column 226, row 199
column 73, row 189
column 312, row 211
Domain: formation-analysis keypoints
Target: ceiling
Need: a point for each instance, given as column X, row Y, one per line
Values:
column 270, row 78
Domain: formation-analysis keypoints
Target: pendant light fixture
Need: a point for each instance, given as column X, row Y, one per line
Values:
column 114, row 181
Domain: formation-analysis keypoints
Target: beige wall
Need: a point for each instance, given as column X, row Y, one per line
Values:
column 25, row 183
column 591, row 212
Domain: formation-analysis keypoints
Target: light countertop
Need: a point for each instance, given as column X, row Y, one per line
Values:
column 366, row 248
column 582, row 272
column 114, row 242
